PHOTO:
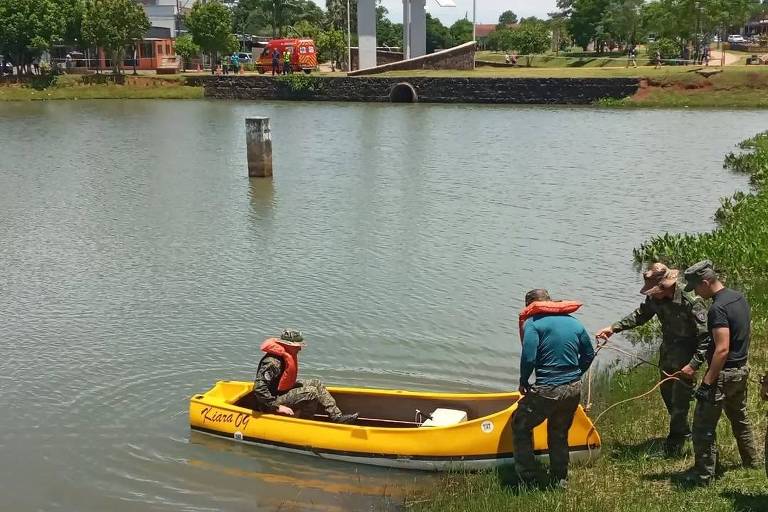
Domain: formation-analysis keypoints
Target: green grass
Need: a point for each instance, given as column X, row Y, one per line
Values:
column 566, row 60
column 69, row 87
column 632, row 474
column 737, row 73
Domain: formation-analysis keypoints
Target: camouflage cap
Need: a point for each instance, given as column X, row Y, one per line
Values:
column 695, row 274
column 658, row 277
column 292, row 337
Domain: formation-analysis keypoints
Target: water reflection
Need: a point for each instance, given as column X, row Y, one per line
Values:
column 261, row 194
column 287, row 480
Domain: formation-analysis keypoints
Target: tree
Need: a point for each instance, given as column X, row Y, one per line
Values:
column 501, row 39
column 387, row 33
column 28, row 27
column 72, row 15
column 113, row 25
column 558, row 25
column 186, row 48
column 306, row 29
column 461, row 31
column 210, row 25
column 530, row 38
column 438, row 35
column 622, row 20
column 586, row 15
column 336, row 14
column 332, row 46
column 275, row 16
column 507, row 18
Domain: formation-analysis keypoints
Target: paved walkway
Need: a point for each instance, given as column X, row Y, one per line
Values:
column 730, row 58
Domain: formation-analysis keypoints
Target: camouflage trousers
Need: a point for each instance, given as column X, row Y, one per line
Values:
column 676, row 394
column 731, row 397
column 309, row 397
column 557, row 405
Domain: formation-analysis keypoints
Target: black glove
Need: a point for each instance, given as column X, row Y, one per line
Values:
column 707, row 393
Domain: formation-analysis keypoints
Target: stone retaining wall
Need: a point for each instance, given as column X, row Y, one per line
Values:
column 427, row 89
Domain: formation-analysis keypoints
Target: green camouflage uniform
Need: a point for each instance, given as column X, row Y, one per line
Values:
column 731, row 397
column 306, row 398
column 685, row 340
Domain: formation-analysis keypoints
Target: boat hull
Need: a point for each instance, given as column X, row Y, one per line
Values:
column 482, row 442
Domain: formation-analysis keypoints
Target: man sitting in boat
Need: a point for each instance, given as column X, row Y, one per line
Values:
column 558, row 348
column 276, row 389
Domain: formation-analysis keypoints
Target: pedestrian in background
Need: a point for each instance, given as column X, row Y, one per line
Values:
column 235, row 63
column 632, row 56
column 287, row 62
column 275, row 62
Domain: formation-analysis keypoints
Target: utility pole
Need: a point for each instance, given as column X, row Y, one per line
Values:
column 349, row 41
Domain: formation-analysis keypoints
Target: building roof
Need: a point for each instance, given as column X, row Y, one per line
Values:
column 484, row 29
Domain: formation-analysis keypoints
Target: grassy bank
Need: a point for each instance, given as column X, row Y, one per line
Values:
column 71, row 87
column 735, row 87
column 632, row 473
column 667, row 87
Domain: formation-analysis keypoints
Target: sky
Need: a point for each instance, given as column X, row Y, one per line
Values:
column 487, row 10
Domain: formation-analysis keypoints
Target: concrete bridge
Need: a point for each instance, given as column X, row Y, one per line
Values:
column 414, row 30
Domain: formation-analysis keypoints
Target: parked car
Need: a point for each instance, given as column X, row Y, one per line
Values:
column 736, row 38
column 245, row 57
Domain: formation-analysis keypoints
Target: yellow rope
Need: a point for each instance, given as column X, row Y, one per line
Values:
column 594, row 423
column 588, row 405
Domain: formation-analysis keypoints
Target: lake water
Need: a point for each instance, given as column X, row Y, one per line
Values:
column 138, row 265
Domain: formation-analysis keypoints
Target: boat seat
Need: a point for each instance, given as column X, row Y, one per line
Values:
column 445, row 418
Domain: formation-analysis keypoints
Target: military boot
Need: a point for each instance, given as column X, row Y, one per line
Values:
column 674, row 446
column 345, row 418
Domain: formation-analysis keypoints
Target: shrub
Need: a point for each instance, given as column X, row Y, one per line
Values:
column 668, row 49
column 44, row 81
column 299, row 84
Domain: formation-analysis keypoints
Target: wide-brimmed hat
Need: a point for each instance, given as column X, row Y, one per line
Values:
column 292, row 337
column 658, row 277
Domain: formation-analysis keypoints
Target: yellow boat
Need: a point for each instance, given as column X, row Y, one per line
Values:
column 401, row 429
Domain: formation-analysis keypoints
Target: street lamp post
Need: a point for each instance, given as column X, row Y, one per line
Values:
column 349, row 41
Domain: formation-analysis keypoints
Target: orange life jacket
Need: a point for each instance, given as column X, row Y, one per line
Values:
column 273, row 347
column 545, row 307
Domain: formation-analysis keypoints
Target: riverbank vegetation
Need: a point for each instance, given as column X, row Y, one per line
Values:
column 73, row 87
column 632, row 473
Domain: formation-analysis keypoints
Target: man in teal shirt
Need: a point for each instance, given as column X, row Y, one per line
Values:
column 559, row 350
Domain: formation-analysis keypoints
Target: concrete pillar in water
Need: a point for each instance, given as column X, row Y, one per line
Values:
column 258, row 141
column 418, row 37
column 366, row 33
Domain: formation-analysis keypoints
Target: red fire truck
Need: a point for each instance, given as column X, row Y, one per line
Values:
column 303, row 55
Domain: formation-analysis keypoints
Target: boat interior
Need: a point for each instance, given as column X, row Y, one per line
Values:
column 395, row 411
